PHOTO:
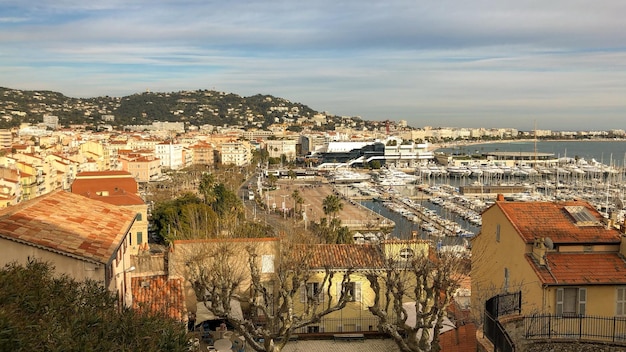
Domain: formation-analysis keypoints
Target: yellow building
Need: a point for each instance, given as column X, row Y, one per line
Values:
column 564, row 257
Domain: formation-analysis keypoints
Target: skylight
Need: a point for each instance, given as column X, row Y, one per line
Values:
column 582, row 216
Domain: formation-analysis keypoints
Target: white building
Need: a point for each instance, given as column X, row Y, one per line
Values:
column 235, row 153
column 278, row 148
column 170, row 154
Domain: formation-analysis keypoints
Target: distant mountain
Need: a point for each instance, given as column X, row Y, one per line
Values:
column 199, row 107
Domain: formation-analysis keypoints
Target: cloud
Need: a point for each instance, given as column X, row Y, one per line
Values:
column 432, row 63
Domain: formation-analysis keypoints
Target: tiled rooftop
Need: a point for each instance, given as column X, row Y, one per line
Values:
column 120, row 187
column 68, row 223
column 551, row 219
column 160, row 295
column 346, row 256
column 581, row 268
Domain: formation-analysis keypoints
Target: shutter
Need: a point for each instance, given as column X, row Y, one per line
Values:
column 559, row 301
column 321, row 292
column 582, row 300
column 303, row 293
column 338, row 291
column 357, row 291
column 621, row 302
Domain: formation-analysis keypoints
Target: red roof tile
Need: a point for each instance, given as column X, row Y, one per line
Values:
column 160, row 295
column 345, row 256
column 551, row 219
column 69, row 224
column 461, row 339
column 581, row 268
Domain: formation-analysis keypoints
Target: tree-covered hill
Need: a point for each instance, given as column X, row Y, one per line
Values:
column 199, row 107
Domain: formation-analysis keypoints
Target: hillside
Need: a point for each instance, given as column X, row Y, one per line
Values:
column 199, row 107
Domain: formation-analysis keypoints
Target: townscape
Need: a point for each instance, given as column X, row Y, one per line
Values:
column 260, row 234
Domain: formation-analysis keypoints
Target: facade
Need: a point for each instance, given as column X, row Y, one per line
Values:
column 80, row 237
column 564, row 257
column 279, row 147
column 170, row 155
column 203, row 154
column 6, row 139
column 236, row 153
column 10, row 187
column 97, row 154
column 144, row 168
column 118, row 188
column 352, row 153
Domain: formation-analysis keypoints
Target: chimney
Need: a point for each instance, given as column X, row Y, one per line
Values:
column 500, row 197
column 539, row 251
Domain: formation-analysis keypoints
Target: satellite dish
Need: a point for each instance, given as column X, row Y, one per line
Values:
column 548, row 243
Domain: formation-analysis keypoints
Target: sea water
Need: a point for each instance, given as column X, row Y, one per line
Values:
column 607, row 152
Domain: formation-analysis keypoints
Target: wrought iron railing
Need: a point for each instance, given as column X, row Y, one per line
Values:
column 596, row 328
column 496, row 307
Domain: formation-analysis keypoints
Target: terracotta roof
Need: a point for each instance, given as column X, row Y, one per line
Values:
column 68, row 224
column 550, row 219
column 461, row 339
column 120, row 198
column 95, row 182
column 581, row 268
column 103, row 173
column 346, row 256
column 159, row 295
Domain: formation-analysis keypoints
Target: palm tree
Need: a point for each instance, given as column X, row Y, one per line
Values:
column 332, row 205
column 297, row 200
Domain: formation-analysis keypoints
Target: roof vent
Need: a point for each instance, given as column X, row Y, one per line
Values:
column 145, row 283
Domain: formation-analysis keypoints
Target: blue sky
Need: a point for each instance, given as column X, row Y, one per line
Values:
column 484, row 63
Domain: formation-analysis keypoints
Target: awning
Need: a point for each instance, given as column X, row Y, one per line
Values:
column 410, row 308
column 203, row 313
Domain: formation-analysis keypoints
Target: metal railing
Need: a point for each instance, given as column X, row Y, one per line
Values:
column 335, row 325
column 597, row 328
column 495, row 307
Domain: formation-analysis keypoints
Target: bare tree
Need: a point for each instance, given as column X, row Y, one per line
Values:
column 412, row 293
column 268, row 288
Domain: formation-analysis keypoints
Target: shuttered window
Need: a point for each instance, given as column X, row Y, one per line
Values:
column 621, row 302
column 571, row 301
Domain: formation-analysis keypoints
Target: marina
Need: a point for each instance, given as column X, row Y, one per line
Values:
column 444, row 202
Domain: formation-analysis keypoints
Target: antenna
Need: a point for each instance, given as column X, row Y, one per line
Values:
column 548, row 243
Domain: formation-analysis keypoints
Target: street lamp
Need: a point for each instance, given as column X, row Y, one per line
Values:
column 284, row 206
column 132, row 268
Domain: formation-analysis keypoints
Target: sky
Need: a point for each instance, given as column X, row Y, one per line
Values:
column 525, row 64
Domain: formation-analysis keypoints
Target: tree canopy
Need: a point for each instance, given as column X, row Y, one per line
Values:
column 44, row 311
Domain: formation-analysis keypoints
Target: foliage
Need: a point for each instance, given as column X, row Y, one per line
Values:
column 42, row 311
column 199, row 107
column 375, row 164
column 218, row 212
column 297, row 200
column 332, row 232
column 332, row 205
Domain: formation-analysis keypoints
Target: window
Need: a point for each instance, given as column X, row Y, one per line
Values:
column 139, row 237
column 571, row 301
column 498, row 233
column 621, row 302
column 313, row 329
column 309, row 291
column 138, row 217
column 267, row 263
column 353, row 291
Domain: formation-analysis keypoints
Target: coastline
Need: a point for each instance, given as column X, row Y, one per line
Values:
column 463, row 143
